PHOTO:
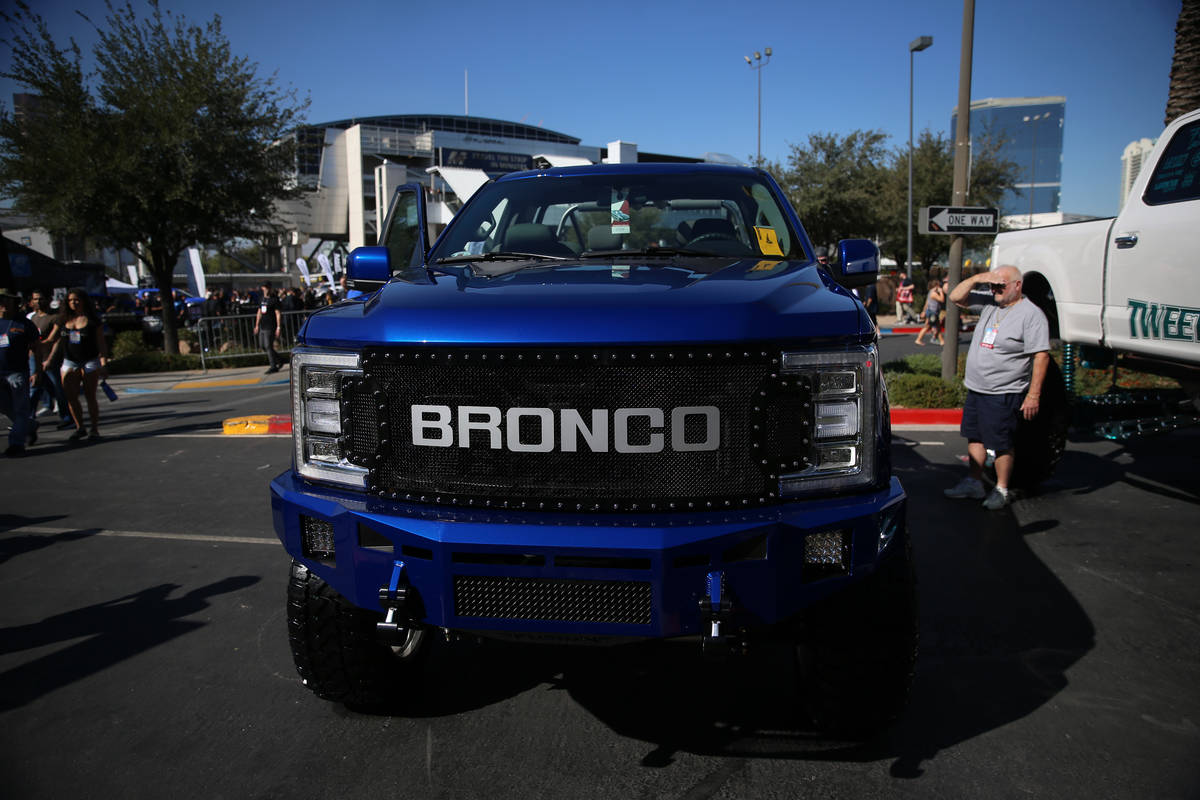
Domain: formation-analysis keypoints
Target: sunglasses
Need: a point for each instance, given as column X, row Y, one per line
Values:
column 998, row 287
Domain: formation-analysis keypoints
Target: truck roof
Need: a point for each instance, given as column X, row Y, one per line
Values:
column 647, row 168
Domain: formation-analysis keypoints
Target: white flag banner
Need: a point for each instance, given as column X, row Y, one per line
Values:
column 302, row 265
column 323, row 260
column 197, row 285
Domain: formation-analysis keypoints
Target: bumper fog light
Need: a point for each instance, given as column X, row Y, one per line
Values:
column 826, row 549
column 317, row 537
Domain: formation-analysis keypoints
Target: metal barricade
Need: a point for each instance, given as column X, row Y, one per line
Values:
column 233, row 336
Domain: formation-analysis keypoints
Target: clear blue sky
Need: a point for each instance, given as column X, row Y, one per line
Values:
column 671, row 76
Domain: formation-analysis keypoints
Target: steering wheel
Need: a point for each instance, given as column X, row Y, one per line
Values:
column 714, row 236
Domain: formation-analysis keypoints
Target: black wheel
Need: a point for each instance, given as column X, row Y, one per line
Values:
column 1041, row 294
column 336, row 649
column 1039, row 442
column 857, row 650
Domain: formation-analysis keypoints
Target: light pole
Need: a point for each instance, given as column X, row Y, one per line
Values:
column 1033, row 159
column 757, row 64
column 915, row 46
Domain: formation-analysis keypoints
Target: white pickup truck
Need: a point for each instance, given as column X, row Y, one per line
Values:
column 1130, row 284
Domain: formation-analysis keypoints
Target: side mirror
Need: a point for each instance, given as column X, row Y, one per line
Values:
column 859, row 263
column 368, row 268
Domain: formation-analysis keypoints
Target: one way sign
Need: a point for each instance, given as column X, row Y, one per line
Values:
column 949, row 219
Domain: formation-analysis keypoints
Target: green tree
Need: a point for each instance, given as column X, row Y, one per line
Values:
column 834, row 183
column 178, row 143
column 933, row 184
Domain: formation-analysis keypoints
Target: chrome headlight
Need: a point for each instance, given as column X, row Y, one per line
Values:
column 317, row 435
column 844, row 416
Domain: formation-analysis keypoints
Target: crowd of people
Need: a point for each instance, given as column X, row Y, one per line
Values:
column 54, row 354
column 54, row 358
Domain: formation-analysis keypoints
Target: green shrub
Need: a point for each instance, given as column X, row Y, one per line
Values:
column 152, row 361
column 912, row 390
column 157, row 361
column 127, row 343
column 916, row 364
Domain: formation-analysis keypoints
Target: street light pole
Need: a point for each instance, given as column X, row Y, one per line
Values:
column 915, row 46
column 757, row 64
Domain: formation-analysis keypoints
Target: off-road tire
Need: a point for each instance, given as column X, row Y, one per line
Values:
column 856, row 651
column 336, row 649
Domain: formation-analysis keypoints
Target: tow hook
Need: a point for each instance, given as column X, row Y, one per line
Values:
column 716, row 612
column 398, row 599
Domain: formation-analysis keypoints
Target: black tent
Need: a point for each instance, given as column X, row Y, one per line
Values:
column 25, row 269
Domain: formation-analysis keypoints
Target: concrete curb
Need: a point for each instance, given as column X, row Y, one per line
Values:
column 257, row 425
column 926, row 416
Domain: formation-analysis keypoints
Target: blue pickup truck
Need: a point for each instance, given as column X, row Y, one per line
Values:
column 611, row 404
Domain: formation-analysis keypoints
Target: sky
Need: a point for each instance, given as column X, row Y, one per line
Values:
column 671, row 76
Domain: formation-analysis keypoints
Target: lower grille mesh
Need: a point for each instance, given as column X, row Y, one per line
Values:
column 615, row 602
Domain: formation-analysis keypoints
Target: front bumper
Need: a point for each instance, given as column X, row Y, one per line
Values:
column 635, row 575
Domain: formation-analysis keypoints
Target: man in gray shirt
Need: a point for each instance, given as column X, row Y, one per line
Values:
column 1006, row 366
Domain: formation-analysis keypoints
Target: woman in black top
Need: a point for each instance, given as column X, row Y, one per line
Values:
column 80, row 333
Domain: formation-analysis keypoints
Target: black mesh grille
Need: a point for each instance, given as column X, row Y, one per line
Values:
column 617, row 602
column 741, row 385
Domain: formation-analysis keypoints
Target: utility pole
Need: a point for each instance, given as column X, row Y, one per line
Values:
column 962, row 155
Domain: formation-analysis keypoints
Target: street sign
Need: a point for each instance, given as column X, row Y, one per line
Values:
column 958, row 220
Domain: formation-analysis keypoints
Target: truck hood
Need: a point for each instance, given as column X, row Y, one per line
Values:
column 586, row 302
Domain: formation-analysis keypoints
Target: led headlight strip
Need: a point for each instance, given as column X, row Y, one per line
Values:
column 317, row 434
column 844, row 395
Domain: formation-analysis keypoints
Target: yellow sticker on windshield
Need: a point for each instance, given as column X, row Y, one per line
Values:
column 768, row 242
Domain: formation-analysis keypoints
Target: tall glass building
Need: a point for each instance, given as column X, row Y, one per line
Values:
column 1030, row 130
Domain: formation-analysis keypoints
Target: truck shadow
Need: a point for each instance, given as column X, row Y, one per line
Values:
column 1149, row 463
column 998, row 633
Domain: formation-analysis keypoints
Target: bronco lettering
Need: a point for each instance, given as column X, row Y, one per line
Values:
column 442, row 426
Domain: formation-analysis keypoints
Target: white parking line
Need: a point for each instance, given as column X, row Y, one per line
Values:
column 185, row 537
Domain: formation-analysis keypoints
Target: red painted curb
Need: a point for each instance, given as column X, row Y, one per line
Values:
column 926, row 416
column 279, row 423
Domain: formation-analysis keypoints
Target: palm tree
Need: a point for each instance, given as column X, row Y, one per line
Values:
column 1184, row 93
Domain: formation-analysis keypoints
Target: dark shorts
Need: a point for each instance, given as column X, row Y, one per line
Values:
column 992, row 419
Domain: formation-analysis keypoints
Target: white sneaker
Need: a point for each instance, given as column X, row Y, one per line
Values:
column 966, row 488
column 998, row 499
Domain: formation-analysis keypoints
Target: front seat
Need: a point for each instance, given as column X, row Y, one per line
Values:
column 601, row 237
column 530, row 237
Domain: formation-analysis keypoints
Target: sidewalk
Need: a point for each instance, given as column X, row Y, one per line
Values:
column 148, row 382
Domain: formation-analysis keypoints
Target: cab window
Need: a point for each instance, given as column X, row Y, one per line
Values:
column 1177, row 176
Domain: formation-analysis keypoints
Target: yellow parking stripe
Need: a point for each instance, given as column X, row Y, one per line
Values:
column 202, row 384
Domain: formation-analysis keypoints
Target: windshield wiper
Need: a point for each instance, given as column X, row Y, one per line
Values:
column 665, row 252
column 500, row 255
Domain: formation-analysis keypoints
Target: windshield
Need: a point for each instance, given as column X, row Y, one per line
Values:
column 594, row 215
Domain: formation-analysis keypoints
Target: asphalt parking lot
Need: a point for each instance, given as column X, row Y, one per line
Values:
column 143, row 647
